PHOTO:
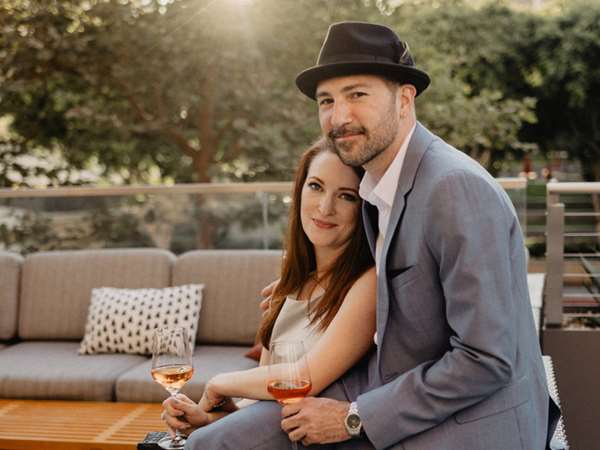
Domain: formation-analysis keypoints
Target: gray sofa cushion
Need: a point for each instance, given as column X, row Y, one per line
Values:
column 233, row 280
column 54, row 370
column 136, row 385
column 56, row 286
column 10, row 271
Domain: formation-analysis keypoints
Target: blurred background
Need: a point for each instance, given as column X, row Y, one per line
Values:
column 110, row 93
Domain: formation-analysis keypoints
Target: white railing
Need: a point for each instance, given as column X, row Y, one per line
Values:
column 192, row 188
column 580, row 297
column 252, row 214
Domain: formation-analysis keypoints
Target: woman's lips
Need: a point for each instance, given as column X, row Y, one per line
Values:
column 322, row 224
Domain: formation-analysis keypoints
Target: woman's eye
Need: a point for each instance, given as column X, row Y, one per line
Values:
column 314, row 186
column 349, row 197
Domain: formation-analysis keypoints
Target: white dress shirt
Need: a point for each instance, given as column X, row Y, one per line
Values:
column 381, row 193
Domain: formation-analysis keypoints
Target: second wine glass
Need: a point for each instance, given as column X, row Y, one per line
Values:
column 172, row 368
column 289, row 377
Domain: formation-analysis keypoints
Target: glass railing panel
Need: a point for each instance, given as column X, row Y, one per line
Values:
column 178, row 222
column 178, row 218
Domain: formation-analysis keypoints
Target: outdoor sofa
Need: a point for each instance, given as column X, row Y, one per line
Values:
column 44, row 301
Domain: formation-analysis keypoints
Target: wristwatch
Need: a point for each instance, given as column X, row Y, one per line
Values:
column 352, row 421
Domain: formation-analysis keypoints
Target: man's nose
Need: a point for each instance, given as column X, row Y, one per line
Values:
column 340, row 115
column 327, row 205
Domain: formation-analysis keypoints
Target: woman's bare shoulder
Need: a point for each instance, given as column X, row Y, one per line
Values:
column 367, row 282
column 368, row 278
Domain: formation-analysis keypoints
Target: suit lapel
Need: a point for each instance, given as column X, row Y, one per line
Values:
column 369, row 217
column 417, row 146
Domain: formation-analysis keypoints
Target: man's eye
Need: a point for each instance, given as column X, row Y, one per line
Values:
column 325, row 101
column 358, row 94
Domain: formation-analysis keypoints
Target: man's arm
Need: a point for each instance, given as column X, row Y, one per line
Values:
column 469, row 235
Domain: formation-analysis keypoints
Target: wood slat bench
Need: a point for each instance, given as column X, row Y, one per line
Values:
column 74, row 425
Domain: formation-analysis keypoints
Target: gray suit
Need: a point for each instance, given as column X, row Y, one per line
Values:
column 457, row 365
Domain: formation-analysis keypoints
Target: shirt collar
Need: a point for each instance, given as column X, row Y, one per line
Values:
column 382, row 192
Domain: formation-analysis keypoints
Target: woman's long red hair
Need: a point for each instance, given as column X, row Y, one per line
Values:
column 299, row 263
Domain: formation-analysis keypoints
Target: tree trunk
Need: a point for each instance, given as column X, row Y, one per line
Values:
column 207, row 227
column 205, row 156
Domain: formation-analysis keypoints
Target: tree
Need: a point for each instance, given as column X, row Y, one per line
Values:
column 466, row 103
column 568, row 48
column 546, row 59
column 205, row 91
column 199, row 88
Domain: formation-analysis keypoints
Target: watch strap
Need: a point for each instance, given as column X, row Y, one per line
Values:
column 354, row 432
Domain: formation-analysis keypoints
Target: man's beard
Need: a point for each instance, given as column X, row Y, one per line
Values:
column 355, row 153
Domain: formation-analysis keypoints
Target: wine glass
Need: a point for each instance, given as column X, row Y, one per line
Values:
column 289, row 378
column 171, row 368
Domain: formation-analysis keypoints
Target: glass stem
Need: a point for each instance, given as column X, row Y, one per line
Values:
column 178, row 439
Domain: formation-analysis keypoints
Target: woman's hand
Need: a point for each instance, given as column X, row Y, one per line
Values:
column 181, row 413
column 213, row 400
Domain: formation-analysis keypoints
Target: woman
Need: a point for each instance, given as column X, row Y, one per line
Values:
column 325, row 296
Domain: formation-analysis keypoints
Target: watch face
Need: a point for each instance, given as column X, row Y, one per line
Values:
column 353, row 421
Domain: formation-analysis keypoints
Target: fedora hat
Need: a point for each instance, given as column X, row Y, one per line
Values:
column 353, row 48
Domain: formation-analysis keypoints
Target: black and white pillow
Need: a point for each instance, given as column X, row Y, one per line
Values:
column 123, row 320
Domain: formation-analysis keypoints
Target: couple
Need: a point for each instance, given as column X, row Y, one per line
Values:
column 456, row 362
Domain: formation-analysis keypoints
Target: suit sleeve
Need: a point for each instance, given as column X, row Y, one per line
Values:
column 468, row 224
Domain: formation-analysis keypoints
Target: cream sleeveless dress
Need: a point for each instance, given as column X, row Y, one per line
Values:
column 293, row 323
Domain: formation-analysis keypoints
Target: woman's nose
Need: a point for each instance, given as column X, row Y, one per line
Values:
column 326, row 205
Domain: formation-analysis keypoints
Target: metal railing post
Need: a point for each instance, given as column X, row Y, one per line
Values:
column 264, row 201
column 555, row 240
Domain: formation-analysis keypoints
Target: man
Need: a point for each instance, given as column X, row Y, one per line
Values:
column 457, row 362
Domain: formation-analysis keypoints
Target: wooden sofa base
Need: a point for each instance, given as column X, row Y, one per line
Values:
column 75, row 425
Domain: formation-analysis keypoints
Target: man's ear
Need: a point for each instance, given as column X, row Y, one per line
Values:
column 405, row 98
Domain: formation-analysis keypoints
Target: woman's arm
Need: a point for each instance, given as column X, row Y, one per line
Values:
column 349, row 335
column 344, row 342
column 265, row 354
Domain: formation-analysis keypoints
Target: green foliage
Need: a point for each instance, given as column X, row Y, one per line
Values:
column 568, row 51
column 203, row 90
column 32, row 233
column 544, row 62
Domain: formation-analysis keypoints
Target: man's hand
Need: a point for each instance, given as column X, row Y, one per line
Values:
column 316, row 421
column 183, row 414
column 267, row 292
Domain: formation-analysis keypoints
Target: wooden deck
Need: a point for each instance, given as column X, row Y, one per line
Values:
column 73, row 425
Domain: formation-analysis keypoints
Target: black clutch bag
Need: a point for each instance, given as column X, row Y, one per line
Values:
column 150, row 441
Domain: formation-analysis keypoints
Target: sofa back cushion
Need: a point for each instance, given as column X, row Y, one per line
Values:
column 56, row 286
column 10, row 272
column 232, row 282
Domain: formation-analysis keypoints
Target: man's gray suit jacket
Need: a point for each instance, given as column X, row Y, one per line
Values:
column 458, row 364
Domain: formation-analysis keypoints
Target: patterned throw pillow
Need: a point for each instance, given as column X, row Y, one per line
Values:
column 123, row 320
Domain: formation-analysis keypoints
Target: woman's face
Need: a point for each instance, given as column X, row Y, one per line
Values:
column 329, row 204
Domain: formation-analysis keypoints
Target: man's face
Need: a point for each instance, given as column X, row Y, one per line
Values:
column 359, row 115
